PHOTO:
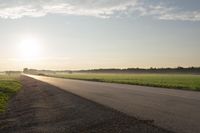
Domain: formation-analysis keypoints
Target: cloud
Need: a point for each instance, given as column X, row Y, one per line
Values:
column 37, row 8
column 13, row 9
column 167, row 13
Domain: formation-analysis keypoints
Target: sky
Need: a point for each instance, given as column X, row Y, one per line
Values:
column 89, row 34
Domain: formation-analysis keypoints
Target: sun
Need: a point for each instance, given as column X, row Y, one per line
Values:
column 29, row 48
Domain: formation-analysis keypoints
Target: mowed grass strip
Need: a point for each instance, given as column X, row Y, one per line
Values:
column 9, row 85
column 177, row 81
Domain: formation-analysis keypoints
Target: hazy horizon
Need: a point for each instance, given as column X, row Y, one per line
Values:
column 74, row 35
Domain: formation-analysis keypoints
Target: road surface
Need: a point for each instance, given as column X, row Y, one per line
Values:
column 175, row 110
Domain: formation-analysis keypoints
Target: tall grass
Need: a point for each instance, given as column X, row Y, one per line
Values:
column 9, row 85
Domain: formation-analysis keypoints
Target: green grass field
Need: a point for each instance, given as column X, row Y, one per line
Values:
column 9, row 85
column 178, row 81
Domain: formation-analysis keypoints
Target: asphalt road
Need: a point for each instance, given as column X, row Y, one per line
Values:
column 175, row 110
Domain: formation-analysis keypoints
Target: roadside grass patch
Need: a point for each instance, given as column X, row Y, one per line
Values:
column 8, row 87
column 176, row 81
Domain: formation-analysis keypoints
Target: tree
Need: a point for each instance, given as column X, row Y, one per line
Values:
column 25, row 70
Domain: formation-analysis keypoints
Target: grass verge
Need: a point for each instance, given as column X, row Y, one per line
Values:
column 176, row 81
column 9, row 85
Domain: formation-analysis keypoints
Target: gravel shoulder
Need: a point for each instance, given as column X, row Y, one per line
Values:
column 43, row 108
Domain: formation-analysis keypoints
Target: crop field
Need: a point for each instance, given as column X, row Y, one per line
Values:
column 9, row 85
column 177, row 81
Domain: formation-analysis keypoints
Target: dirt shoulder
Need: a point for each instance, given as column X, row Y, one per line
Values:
column 40, row 107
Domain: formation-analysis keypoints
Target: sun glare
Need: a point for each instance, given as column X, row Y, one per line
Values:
column 29, row 48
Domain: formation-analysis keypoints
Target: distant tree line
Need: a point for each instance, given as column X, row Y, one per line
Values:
column 178, row 70
column 38, row 72
column 181, row 70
